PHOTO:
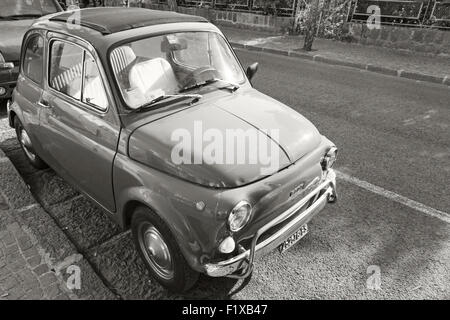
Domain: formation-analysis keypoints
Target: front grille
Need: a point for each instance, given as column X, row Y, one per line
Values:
column 246, row 243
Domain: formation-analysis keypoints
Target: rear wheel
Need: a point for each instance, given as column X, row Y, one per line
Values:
column 27, row 146
column 160, row 251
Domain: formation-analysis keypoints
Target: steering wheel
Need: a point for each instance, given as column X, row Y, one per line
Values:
column 198, row 75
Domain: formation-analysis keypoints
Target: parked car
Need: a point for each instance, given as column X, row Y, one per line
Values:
column 100, row 102
column 16, row 16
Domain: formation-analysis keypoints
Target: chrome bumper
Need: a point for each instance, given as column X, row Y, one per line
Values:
column 241, row 266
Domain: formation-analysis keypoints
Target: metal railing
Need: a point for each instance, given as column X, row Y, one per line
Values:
column 415, row 13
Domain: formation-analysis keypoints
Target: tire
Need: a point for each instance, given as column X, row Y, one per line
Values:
column 27, row 147
column 160, row 251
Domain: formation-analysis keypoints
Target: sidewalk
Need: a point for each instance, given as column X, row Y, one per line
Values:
column 378, row 59
column 34, row 252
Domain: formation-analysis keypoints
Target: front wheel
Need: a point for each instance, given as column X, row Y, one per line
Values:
column 160, row 251
column 27, row 146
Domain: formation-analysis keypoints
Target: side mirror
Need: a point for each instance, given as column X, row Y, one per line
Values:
column 251, row 70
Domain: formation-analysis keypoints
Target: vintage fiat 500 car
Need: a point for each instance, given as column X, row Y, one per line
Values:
column 103, row 98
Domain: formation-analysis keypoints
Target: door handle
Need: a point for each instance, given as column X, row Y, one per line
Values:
column 44, row 104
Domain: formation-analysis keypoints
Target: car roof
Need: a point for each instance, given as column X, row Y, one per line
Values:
column 108, row 20
column 104, row 26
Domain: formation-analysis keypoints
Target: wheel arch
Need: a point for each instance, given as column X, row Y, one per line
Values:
column 179, row 230
column 128, row 211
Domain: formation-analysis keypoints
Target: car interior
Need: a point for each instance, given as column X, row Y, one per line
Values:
column 162, row 65
column 66, row 74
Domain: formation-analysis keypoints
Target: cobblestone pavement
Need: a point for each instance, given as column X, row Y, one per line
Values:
column 24, row 274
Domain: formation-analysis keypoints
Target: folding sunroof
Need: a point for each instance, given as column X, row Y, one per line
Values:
column 112, row 20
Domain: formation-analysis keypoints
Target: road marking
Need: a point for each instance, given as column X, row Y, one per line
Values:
column 444, row 216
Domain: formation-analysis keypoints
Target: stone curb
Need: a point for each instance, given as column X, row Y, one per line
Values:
column 50, row 240
column 368, row 67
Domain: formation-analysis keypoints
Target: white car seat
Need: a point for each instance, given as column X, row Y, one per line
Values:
column 152, row 76
column 67, row 77
column 121, row 58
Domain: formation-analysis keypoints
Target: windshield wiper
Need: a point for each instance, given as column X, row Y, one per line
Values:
column 148, row 105
column 232, row 86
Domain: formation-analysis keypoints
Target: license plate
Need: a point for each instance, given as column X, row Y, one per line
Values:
column 293, row 239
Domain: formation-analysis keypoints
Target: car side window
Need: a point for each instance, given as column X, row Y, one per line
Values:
column 93, row 89
column 66, row 68
column 34, row 58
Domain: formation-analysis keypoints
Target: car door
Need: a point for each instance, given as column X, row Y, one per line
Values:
column 79, row 126
column 30, row 83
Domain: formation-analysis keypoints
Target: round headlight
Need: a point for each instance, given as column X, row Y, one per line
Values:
column 239, row 216
column 329, row 159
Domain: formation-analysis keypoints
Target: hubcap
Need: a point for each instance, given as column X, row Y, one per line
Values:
column 26, row 143
column 156, row 251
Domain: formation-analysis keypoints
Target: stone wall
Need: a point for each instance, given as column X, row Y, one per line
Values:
column 415, row 39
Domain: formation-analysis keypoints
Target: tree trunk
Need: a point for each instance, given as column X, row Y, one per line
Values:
column 311, row 25
column 173, row 5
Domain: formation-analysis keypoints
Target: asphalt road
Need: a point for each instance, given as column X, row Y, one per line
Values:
column 394, row 140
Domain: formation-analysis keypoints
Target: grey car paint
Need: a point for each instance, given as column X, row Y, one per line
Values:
column 297, row 137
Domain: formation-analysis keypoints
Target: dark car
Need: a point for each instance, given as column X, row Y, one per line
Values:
column 16, row 16
column 151, row 115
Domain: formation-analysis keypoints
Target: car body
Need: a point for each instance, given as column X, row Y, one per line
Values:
column 116, row 148
column 16, row 16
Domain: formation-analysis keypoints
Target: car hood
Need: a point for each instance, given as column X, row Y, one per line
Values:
column 284, row 135
column 11, row 36
column 296, row 135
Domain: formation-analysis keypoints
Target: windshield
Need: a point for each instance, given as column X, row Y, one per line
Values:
column 172, row 64
column 24, row 8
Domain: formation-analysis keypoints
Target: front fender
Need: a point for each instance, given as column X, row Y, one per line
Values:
column 175, row 201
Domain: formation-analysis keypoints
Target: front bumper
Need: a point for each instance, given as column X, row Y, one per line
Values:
column 241, row 266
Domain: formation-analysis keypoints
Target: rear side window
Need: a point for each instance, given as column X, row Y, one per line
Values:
column 34, row 58
column 66, row 68
column 74, row 72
